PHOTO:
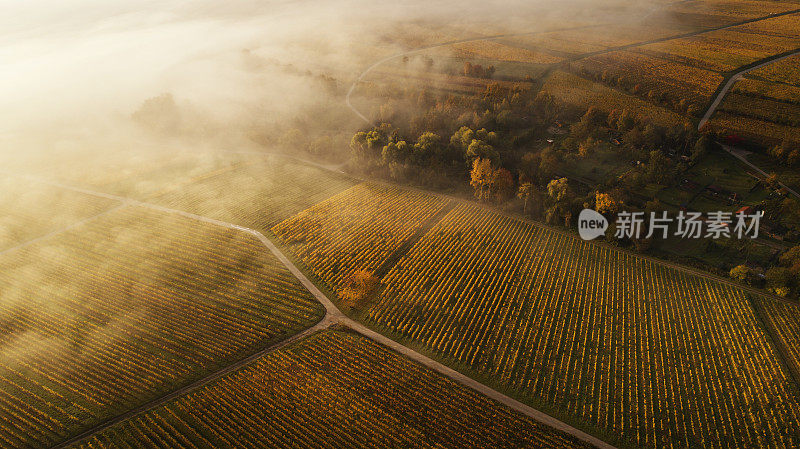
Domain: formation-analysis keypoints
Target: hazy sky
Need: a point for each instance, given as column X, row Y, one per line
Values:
column 68, row 57
column 80, row 61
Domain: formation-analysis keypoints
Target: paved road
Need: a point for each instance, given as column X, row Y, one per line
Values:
column 332, row 316
column 736, row 77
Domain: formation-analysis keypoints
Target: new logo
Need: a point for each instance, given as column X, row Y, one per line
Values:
column 591, row 224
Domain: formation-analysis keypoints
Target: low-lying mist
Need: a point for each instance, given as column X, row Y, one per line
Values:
column 76, row 70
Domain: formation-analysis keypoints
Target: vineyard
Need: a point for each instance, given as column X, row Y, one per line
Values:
column 785, row 319
column 139, row 174
column 725, row 50
column 334, row 389
column 581, row 92
column 356, row 230
column 786, row 71
column 30, row 210
column 103, row 317
column 501, row 52
column 764, row 106
column 258, row 193
column 651, row 355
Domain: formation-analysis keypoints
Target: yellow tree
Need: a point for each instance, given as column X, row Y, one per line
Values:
column 604, row 203
column 524, row 193
column 481, row 178
column 357, row 288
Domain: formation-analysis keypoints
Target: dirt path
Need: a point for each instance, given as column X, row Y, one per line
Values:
column 332, row 316
column 741, row 155
column 736, row 76
column 325, row 323
column 557, row 64
column 60, row 230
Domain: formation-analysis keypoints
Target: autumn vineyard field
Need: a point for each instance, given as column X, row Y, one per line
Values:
column 20, row 223
column 334, row 389
column 216, row 288
column 764, row 106
column 257, row 193
column 621, row 342
column 357, row 229
column 126, row 307
column 785, row 319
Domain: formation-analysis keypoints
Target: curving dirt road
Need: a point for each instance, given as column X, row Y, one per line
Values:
column 736, row 76
column 566, row 60
column 333, row 316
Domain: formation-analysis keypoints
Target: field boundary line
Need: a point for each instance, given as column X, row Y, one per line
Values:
column 325, row 323
column 784, row 355
column 332, row 316
column 473, row 384
column 67, row 228
column 554, row 65
column 733, row 77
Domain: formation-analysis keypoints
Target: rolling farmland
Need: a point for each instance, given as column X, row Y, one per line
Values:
column 334, row 389
column 100, row 318
column 764, row 106
column 258, row 193
column 163, row 297
column 356, row 229
column 581, row 92
column 30, row 210
column 651, row 355
column 139, row 174
column 785, row 319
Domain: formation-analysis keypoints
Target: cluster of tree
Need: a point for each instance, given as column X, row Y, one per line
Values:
column 632, row 85
column 357, row 288
column 477, row 70
column 783, row 216
column 490, row 183
column 505, row 125
column 522, row 150
column 782, row 279
column 786, row 152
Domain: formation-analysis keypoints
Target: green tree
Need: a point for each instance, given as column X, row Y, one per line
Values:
column 478, row 149
column 779, row 280
column 428, row 146
column 395, row 152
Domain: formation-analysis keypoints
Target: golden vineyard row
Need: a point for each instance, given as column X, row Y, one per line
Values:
column 126, row 308
column 333, row 390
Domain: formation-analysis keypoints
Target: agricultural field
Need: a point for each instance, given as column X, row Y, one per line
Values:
column 30, row 210
column 786, row 71
column 258, row 192
column 99, row 319
column 725, row 50
column 710, row 13
column 581, row 92
column 785, row 319
column 139, row 174
column 334, row 389
column 649, row 354
column 764, row 106
column 356, row 230
column 661, row 81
